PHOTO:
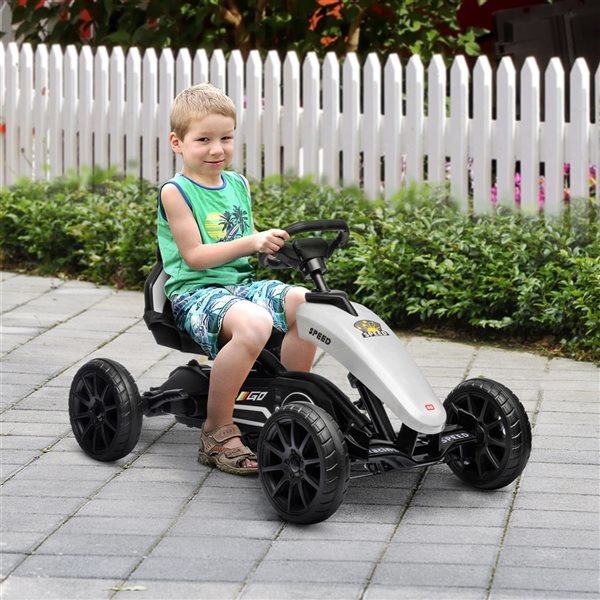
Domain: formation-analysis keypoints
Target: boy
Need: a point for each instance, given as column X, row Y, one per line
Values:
column 205, row 234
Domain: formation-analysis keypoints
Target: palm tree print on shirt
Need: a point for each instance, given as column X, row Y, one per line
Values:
column 227, row 226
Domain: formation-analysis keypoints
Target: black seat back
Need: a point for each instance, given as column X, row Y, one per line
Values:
column 159, row 316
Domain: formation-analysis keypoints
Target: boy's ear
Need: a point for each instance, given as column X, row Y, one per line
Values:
column 175, row 143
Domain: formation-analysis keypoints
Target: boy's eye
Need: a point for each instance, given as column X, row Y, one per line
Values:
column 203, row 139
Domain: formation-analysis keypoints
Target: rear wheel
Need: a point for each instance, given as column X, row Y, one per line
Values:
column 491, row 412
column 105, row 409
column 303, row 463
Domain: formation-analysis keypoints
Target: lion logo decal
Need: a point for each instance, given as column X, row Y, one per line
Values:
column 370, row 328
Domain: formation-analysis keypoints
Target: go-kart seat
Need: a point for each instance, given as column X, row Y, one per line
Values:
column 158, row 316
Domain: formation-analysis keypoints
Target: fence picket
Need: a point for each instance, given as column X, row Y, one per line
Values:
column 100, row 109
column 272, row 114
column 330, row 119
column 24, row 111
column 166, row 93
column 351, row 125
column 116, row 110
column 392, row 125
column 459, row 131
column 40, row 112
column 62, row 110
column 371, row 127
column 311, row 117
column 253, row 116
column 505, row 133
column 436, row 120
column 55, row 104
column 553, row 154
column 291, row 114
column 579, row 129
column 482, row 132
column 529, row 136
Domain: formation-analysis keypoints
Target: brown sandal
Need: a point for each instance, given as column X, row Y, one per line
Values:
column 229, row 460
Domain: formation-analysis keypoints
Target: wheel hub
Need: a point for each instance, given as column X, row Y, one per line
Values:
column 295, row 465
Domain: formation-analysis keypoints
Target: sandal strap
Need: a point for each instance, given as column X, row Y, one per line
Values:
column 222, row 434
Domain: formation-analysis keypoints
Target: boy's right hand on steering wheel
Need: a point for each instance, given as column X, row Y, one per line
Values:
column 270, row 241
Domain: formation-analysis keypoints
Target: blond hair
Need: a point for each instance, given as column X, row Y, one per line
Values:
column 195, row 103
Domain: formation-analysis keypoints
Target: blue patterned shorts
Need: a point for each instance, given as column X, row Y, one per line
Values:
column 200, row 312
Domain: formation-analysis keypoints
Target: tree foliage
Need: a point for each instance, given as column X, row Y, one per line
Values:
column 405, row 27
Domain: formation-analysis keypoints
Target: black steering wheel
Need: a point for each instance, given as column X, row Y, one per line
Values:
column 296, row 253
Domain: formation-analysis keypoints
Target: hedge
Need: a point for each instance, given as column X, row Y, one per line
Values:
column 414, row 260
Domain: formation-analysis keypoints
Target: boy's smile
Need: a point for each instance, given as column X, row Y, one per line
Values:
column 206, row 148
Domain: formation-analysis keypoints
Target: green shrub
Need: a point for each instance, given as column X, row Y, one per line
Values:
column 415, row 260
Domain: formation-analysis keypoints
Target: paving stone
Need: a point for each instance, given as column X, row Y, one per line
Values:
column 211, row 549
column 225, row 527
column 40, row 504
column 516, row 594
column 116, row 525
column 559, row 486
column 343, row 550
column 71, row 474
column 553, row 538
column 25, row 442
column 438, row 575
column 48, row 488
column 315, row 571
column 461, row 498
column 80, row 566
column 177, row 590
column 228, row 509
column 555, row 519
column 556, row 470
column 20, row 542
column 143, row 489
column 447, row 534
column 148, row 507
column 437, row 553
column 546, row 501
column 166, row 568
column 98, row 544
column 489, row 517
column 551, row 558
column 572, row 581
column 329, row 530
column 9, row 562
column 41, row 429
column 19, row 522
column 404, row 592
column 276, row 591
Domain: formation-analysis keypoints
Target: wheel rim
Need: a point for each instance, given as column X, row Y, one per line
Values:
column 480, row 415
column 290, row 465
column 94, row 414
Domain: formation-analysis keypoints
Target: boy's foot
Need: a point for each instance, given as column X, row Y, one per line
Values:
column 217, row 448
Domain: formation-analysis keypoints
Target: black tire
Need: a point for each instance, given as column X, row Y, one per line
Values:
column 105, row 409
column 303, row 463
column 496, row 416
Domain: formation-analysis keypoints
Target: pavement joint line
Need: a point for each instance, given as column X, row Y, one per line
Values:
column 52, row 288
column 387, row 543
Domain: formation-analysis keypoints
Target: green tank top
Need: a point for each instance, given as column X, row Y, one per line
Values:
column 223, row 214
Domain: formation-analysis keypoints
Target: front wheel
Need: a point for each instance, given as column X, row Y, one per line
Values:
column 105, row 409
column 491, row 412
column 303, row 463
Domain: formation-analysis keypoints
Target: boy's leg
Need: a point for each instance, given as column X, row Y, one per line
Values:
column 244, row 332
column 296, row 354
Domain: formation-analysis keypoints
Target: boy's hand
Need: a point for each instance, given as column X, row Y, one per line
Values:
column 270, row 241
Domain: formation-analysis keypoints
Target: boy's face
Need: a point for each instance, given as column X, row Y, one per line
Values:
column 206, row 148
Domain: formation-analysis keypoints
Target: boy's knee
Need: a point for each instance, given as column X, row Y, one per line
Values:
column 293, row 299
column 256, row 329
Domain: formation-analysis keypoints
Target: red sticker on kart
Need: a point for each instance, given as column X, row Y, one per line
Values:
column 430, row 407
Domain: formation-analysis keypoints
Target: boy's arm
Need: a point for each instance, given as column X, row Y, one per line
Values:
column 201, row 256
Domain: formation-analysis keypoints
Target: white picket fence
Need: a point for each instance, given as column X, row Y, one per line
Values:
column 380, row 127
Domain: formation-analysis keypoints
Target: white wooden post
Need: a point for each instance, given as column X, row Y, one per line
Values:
column 149, row 105
column 218, row 70
column 116, row 110
column 2, row 117
column 253, row 116
column 595, row 134
column 133, row 111
column 291, row 114
column 24, row 110
column 530, row 136
column 40, row 113
column 392, row 125
column 55, row 104
column 330, row 119
column 235, row 90
column 351, row 121
column 579, row 130
column 183, row 70
column 436, row 121
column 85, row 112
column 415, row 121
column 506, row 118
column 12, row 114
column 70, row 110
column 371, row 127
column 459, row 131
column 100, row 110
column 311, row 117
column 481, row 134
column 272, row 114
column 553, row 153
column 200, row 67
column 166, row 92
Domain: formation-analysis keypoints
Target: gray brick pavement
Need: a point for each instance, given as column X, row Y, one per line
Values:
column 159, row 524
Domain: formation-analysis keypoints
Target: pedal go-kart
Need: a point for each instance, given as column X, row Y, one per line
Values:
column 310, row 437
